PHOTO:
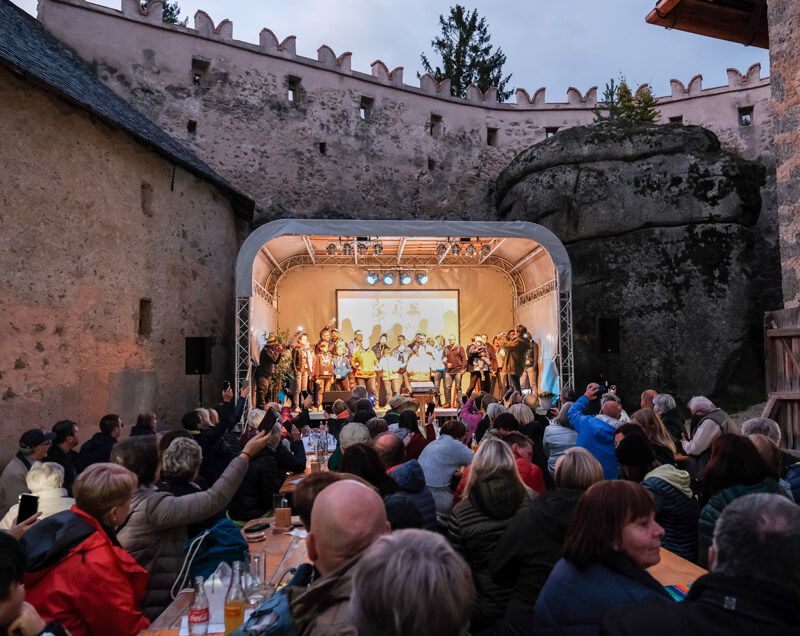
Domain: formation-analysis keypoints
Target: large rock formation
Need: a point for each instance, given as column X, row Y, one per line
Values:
column 661, row 229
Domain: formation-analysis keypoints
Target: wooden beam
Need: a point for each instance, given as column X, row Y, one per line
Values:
column 782, row 333
column 400, row 249
column 310, row 249
column 495, row 247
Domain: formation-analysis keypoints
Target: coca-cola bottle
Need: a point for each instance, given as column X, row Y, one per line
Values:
column 198, row 613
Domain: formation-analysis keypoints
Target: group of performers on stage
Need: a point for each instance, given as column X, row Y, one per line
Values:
column 511, row 360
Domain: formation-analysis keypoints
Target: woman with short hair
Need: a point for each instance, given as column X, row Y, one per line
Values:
column 612, row 540
column 77, row 574
column 559, row 436
column 45, row 480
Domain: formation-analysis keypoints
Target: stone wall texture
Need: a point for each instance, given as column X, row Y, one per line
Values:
column 90, row 223
column 784, row 50
column 661, row 229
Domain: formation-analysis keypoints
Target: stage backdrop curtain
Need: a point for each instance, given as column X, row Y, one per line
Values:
column 541, row 318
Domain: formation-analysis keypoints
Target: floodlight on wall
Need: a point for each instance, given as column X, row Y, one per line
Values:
column 331, row 249
column 372, row 278
column 455, row 249
column 406, row 278
column 471, row 249
column 422, row 278
column 347, row 249
column 377, row 249
column 441, row 249
column 362, row 249
column 388, row 278
column 485, row 250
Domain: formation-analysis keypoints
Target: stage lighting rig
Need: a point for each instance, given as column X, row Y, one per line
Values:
column 362, row 249
column 372, row 278
column 388, row 278
column 405, row 278
column 485, row 250
column 441, row 249
column 455, row 249
column 331, row 249
column 471, row 249
column 422, row 278
column 377, row 249
column 347, row 249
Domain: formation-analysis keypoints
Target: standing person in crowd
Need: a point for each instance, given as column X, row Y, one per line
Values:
column 771, row 454
column 341, row 367
column 97, row 449
column 646, row 399
column 303, row 368
column 596, row 432
column 664, row 405
column 677, row 510
column 471, row 413
column 455, row 362
column 364, row 364
column 752, row 588
column 439, row 371
column 478, row 365
column 268, row 359
column 429, row 561
column 61, row 453
column 390, row 378
column 660, row 440
column 735, row 469
column 145, row 425
column 45, row 480
column 401, row 353
column 516, row 348
column 612, row 540
column 76, row 572
column 708, row 423
column 33, row 447
column 154, row 531
column 347, row 517
column 558, row 437
column 324, row 369
column 418, row 441
column 440, row 460
column 530, row 377
column 494, row 494
column 534, row 541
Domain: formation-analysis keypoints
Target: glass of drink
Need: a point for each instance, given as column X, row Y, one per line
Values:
column 234, row 601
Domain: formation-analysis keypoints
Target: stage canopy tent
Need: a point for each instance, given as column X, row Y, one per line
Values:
column 291, row 272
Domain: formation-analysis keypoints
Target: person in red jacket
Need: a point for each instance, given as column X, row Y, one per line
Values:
column 77, row 574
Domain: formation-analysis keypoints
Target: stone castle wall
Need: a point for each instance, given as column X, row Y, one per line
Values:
column 419, row 153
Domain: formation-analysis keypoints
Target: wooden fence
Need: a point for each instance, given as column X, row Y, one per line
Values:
column 782, row 363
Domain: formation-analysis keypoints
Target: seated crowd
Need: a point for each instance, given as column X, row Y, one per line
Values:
column 503, row 520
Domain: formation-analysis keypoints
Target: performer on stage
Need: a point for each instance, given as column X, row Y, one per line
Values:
column 390, row 378
column 531, row 378
column 354, row 345
column 381, row 346
column 270, row 355
column 324, row 336
column 498, row 388
column 420, row 364
column 341, row 367
column 401, row 352
column 324, row 370
column 455, row 364
column 364, row 363
column 438, row 373
column 303, row 366
column 478, row 364
column 516, row 346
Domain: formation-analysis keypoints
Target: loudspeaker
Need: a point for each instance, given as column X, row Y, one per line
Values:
column 329, row 397
column 198, row 356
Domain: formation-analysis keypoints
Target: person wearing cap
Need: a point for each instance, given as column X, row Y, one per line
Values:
column 269, row 357
column 33, row 447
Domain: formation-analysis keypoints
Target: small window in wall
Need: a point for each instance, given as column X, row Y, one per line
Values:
column 147, row 199
column 491, row 136
column 436, row 126
column 145, row 317
column 293, row 88
column 746, row 116
column 550, row 132
column 678, row 119
column 191, row 126
column 365, row 109
column 431, row 164
column 608, row 334
column 200, row 71
column 323, row 148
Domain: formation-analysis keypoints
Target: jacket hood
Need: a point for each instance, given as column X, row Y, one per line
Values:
column 768, row 485
column 498, row 496
column 555, row 509
column 409, row 476
column 675, row 477
column 51, row 539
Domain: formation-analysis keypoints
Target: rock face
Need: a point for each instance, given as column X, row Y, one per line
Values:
column 670, row 271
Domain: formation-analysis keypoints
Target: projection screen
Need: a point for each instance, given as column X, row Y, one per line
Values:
column 432, row 312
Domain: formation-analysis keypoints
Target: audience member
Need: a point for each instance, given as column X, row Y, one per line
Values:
column 145, row 425
column 771, row 454
column 376, row 426
column 735, row 468
column 416, row 442
column 707, row 424
column 61, row 453
column 307, row 490
column 364, row 411
column 432, row 567
column 666, row 408
column 647, row 399
column 351, row 434
column 492, row 411
column 76, row 572
column 612, row 540
column 771, row 429
column 45, row 480
column 347, row 517
column 596, row 432
column 97, row 449
column 559, row 436
column 17, row 616
column 440, row 460
column 534, row 541
column 533, row 428
column 33, row 447
column 660, row 440
column 470, row 413
column 392, row 416
column 523, row 448
column 494, row 494
column 753, row 586
column 155, row 530
column 359, row 392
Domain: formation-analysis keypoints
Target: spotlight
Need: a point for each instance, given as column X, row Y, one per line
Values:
column 347, row 249
column 362, row 249
column 331, row 249
column 455, row 250
column 377, row 249
column 441, row 249
column 470, row 250
column 388, row 278
column 405, row 278
column 485, row 250
column 372, row 278
column 422, row 278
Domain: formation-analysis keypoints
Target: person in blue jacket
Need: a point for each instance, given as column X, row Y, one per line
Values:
column 613, row 538
column 596, row 432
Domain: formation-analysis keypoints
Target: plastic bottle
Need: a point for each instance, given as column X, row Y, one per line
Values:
column 198, row 613
column 234, row 601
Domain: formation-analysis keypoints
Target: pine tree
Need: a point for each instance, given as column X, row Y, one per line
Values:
column 172, row 12
column 608, row 108
column 646, row 105
column 619, row 103
column 627, row 103
column 467, row 56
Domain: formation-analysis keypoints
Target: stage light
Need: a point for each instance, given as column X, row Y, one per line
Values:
column 485, row 250
column 470, row 250
column 331, row 249
column 377, row 249
column 388, row 278
column 347, row 249
column 405, row 278
column 362, row 249
column 422, row 278
column 455, row 249
column 441, row 249
column 372, row 278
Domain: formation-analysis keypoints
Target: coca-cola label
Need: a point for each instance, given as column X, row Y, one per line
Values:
column 198, row 616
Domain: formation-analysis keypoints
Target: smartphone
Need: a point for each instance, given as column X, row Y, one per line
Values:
column 256, row 527
column 526, row 391
column 28, row 506
column 226, row 385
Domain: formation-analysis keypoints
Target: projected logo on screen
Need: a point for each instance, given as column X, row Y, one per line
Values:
column 394, row 312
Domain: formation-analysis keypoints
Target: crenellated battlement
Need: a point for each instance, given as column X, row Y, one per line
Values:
column 270, row 45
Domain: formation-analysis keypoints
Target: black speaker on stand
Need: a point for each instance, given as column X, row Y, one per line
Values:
column 198, row 360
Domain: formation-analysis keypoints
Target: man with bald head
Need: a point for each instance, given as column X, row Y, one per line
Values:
column 596, row 432
column 347, row 517
column 646, row 399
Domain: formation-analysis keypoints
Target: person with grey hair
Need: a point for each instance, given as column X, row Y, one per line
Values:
column 772, row 430
column 46, row 481
column 708, row 423
column 666, row 408
column 431, row 563
column 753, row 586
column 558, row 437
column 492, row 411
column 33, row 447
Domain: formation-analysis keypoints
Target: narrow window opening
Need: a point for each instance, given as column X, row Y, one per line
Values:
column 200, row 71
column 147, row 199
column 323, row 148
column 550, row 132
column 678, row 119
column 431, row 164
column 191, row 126
column 436, row 125
column 491, row 136
column 145, row 327
column 608, row 334
column 365, row 109
column 293, row 88
column 746, row 116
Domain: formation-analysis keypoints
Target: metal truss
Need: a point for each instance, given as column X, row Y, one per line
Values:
column 242, row 342
column 535, row 294
column 566, row 361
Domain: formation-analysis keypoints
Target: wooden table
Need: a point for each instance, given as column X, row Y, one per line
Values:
column 291, row 483
column 281, row 551
column 675, row 570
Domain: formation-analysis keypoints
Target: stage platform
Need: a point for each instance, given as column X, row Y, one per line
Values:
column 438, row 412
